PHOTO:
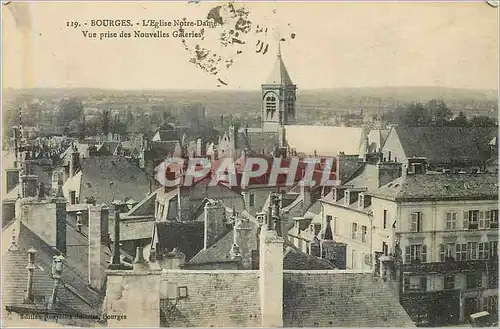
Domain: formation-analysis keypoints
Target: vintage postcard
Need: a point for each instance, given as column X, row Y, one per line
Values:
column 249, row 164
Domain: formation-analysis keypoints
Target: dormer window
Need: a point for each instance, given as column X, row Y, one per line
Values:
column 361, row 200
column 347, row 198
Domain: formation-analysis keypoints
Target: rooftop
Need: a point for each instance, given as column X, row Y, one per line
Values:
column 440, row 187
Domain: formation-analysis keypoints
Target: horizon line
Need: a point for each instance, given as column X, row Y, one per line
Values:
column 248, row 89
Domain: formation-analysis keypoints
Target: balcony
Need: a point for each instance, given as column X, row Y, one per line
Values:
column 452, row 266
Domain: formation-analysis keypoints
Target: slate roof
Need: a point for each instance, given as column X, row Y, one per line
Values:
column 257, row 141
column 279, row 74
column 442, row 145
column 76, row 295
column 217, row 252
column 170, row 135
column 187, row 237
column 112, row 177
column 294, row 259
column 159, row 150
column 440, row 187
column 221, row 299
column 108, row 148
column 340, row 299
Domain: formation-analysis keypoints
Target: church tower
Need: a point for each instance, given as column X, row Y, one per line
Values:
column 278, row 98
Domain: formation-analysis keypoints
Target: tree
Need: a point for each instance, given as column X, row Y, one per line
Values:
column 482, row 121
column 440, row 114
column 460, row 120
column 69, row 110
column 105, row 122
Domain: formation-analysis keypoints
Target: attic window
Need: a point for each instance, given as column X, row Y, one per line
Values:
column 390, row 184
column 396, row 185
column 182, row 292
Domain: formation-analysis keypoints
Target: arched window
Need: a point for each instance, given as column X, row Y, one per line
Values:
column 270, row 105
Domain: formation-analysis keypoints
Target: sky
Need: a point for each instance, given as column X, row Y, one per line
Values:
column 335, row 45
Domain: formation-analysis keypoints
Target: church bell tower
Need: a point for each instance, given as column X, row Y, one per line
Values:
column 278, row 98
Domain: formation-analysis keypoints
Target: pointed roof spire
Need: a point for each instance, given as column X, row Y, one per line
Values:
column 279, row 74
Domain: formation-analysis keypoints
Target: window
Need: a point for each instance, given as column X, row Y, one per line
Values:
column 354, row 231
column 361, row 200
column 385, row 219
column 72, row 195
column 270, row 105
column 492, row 215
column 474, row 281
column 423, row 283
column 484, row 250
column 416, row 222
column 449, row 282
column 493, row 279
column 472, row 250
column 251, row 202
column 317, row 228
column 364, row 231
column 347, row 198
column 182, row 292
column 414, row 283
column 484, row 221
column 451, row 220
column 446, row 252
column 460, row 251
column 471, row 219
column 415, row 253
column 493, row 249
column 490, row 304
column 335, row 227
column 385, row 248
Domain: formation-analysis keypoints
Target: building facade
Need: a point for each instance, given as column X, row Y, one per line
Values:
column 444, row 239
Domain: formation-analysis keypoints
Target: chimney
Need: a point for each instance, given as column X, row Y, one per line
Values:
column 417, row 165
column 198, row 147
column 79, row 221
column 172, row 260
column 388, row 171
column 57, row 267
column 29, row 184
column 30, row 297
column 271, row 277
column 11, row 178
column 60, row 201
column 243, row 234
column 116, row 263
column 215, row 218
column 140, row 263
column 74, row 163
column 305, row 193
column 97, row 215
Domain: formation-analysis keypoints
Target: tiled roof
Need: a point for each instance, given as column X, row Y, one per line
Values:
column 294, row 259
column 219, row 299
column 340, row 299
column 170, row 135
column 218, row 252
column 111, row 146
column 440, row 187
column 441, row 145
column 75, row 293
column 325, row 140
column 257, row 141
column 186, row 237
column 111, row 178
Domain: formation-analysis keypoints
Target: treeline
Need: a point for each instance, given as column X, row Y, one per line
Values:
column 433, row 113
